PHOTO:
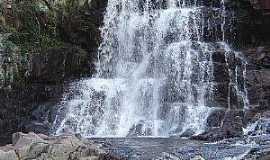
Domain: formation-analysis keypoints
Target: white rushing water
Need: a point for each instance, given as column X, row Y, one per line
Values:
column 155, row 71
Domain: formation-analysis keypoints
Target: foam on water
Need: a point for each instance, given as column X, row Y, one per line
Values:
column 155, row 72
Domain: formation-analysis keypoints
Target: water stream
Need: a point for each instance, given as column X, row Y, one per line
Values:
column 155, row 72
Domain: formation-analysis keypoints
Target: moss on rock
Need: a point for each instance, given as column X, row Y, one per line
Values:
column 45, row 46
column 35, row 27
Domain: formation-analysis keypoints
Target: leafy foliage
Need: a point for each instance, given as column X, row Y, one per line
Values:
column 35, row 28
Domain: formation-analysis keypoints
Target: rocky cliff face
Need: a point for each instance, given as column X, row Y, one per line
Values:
column 258, row 78
column 42, row 46
column 252, row 40
column 45, row 45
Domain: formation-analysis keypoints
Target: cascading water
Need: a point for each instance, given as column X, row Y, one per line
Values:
column 155, row 71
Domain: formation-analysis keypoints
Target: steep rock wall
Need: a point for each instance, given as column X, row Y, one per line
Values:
column 38, row 77
column 253, row 40
column 250, row 35
column 45, row 46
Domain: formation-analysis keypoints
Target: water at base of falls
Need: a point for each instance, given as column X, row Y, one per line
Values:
column 155, row 72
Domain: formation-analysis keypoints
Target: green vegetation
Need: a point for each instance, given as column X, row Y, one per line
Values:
column 29, row 27
column 35, row 27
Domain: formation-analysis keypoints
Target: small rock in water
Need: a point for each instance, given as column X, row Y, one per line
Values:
column 198, row 158
column 168, row 156
column 188, row 133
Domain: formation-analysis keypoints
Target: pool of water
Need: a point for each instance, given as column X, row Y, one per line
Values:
column 171, row 149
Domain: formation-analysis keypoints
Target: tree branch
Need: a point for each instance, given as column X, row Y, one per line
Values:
column 48, row 4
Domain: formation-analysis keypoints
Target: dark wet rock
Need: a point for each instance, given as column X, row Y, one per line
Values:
column 251, row 116
column 218, row 96
column 215, row 118
column 187, row 133
column 57, row 64
column 258, row 77
column 221, row 72
column 219, row 57
column 17, row 106
column 231, row 126
column 216, row 134
column 233, row 122
column 81, row 26
column 251, row 25
column 41, row 119
column 259, row 56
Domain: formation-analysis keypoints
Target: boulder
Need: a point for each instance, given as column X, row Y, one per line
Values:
column 8, row 155
column 215, row 118
column 221, row 73
column 20, row 139
column 41, row 147
column 231, row 126
column 218, row 97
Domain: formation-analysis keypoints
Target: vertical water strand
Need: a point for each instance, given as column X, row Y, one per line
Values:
column 128, row 103
column 157, row 82
column 234, row 75
column 242, row 90
column 223, row 14
column 246, row 102
column 231, row 76
column 108, row 43
column 226, row 52
column 237, row 80
column 171, row 3
column 210, row 72
column 187, row 71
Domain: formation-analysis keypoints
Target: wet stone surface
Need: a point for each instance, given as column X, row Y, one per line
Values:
column 172, row 148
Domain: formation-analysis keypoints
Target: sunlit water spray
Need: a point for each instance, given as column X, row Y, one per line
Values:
column 155, row 72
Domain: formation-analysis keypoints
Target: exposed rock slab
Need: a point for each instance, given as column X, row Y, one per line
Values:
column 42, row 147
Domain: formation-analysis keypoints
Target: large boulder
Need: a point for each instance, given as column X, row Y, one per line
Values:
column 41, row 147
column 8, row 155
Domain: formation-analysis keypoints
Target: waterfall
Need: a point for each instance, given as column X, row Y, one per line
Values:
column 156, row 72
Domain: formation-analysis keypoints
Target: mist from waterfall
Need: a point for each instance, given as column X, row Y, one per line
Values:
column 155, row 71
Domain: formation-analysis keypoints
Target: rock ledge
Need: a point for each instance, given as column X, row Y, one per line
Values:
column 42, row 147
